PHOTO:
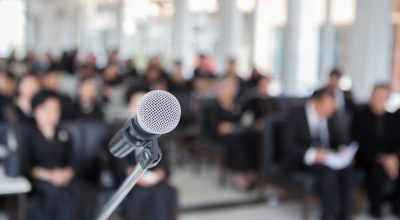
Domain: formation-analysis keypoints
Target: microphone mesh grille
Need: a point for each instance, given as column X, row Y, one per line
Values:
column 158, row 112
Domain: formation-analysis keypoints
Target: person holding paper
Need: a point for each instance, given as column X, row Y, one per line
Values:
column 376, row 131
column 310, row 142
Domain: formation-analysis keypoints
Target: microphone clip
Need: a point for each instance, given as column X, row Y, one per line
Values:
column 150, row 156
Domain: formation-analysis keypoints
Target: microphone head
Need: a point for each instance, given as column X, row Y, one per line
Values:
column 158, row 112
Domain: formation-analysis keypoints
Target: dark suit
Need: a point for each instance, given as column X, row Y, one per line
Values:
column 334, row 186
column 376, row 135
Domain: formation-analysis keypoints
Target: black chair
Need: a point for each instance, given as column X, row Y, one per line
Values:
column 207, row 146
column 296, row 182
column 90, row 140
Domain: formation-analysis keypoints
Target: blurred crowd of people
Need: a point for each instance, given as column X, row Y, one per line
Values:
column 43, row 93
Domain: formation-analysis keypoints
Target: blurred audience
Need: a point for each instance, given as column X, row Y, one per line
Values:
column 376, row 131
column 236, row 117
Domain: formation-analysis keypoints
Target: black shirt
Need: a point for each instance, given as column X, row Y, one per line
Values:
column 48, row 154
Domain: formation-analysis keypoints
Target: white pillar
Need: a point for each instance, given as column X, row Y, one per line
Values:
column 181, row 36
column 230, row 32
column 300, row 55
column 327, row 46
column 371, row 46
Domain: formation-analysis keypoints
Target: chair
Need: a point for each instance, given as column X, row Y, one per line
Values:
column 89, row 139
column 207, row 146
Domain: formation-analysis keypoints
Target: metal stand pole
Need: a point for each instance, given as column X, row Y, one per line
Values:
column 146, row 159
column 121, row 193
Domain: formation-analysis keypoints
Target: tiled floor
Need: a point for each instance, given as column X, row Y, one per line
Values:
column 202, row 189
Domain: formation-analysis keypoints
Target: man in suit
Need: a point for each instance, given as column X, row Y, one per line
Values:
column 344, row 99
column 308, row 137
column 376, row 131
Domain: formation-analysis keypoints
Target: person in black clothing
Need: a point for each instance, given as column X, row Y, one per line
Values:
column 255, row 76
column 308, row 135
column 344, row 99
column 49, row 159
column 130, row 69
column 239, row 144
column 376, row 131
column 87, row 106
column 29, row 86
column 261, row 105
column 7, row 92
column 179, row 85
column 202, row 71
column 111, row 75
column 152, row 198
column 231, row 73
column 51, row 80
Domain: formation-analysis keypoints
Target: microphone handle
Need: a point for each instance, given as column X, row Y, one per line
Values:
column 122, row 192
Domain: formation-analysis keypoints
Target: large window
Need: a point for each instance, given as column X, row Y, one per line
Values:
column 12, row 26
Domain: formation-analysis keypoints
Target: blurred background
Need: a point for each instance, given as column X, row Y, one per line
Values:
column 72, row 72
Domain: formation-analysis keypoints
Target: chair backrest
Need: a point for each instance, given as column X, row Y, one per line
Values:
column 207, row 120
column 11, row 138
column 287, row 103
column 90, row 139
column 186, row 111
column 273, row 139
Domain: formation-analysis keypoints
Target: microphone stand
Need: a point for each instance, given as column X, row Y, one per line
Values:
column 149, row 157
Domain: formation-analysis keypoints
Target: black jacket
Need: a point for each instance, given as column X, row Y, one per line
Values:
column 364, row 130
column 297, row 137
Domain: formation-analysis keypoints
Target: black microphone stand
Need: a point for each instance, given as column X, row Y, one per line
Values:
column 149, row 157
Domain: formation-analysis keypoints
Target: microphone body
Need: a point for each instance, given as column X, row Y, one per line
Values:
column 158, row 113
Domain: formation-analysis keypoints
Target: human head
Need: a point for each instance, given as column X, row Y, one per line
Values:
column 334, row 78
column 227, row 90
column 29, row 86
column 324, row 102
column 46, row 108
column 262, row 85
column 379, row 97
column 7, row 84
column 133, row 97
column 231, row 68
column 88, row 90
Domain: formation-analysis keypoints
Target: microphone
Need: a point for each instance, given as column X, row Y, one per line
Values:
column 158, row 112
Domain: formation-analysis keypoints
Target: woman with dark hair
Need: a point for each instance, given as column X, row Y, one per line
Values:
column 49, row 156
column 239, row 144
column 28, row 87
column 87, row 105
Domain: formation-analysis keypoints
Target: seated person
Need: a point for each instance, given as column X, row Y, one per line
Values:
column 152, row 198
column 344, row 99
column 261, row 105
column 87, row 105
column 308, row 136
column 28, row 86
column 49, row 155
column 7, row 92
column 240, row 145
column 51, row 80
column 376, row 131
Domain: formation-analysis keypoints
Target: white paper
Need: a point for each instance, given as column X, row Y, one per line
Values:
column 341, row 159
